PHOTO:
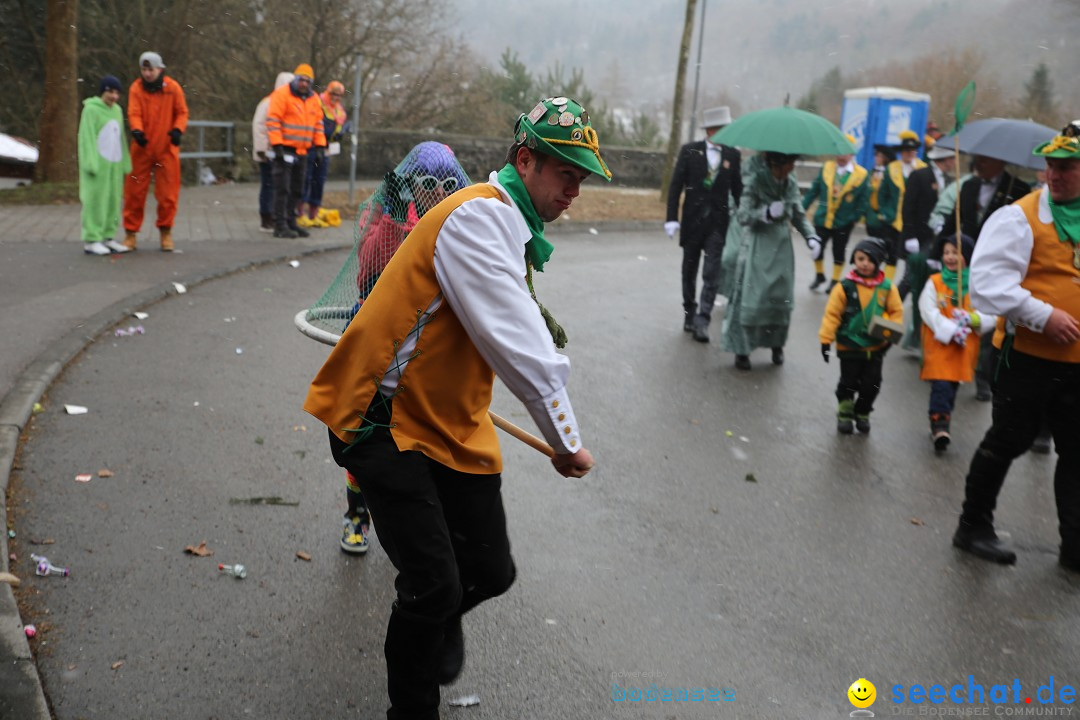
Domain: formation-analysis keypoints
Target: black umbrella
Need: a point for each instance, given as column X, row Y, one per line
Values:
column 1002, row 138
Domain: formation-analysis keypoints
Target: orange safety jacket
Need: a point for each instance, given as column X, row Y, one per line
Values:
column 156, row 114
column 295, row 122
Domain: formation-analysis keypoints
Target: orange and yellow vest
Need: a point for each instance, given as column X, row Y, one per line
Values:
column 441, row 405
column 952, row 362
column 1051, row 277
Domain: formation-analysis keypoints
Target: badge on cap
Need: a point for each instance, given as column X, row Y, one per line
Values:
column 566, row 119
column 559, row 100
column 537, row 112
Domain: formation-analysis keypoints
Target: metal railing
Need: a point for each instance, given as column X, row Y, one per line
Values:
column 201, row 153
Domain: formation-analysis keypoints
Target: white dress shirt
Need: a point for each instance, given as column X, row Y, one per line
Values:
column 480, row 268
column 713, row 156
column 1000, row 264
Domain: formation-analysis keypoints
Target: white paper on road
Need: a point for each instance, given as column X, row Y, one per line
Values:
column 75, row 410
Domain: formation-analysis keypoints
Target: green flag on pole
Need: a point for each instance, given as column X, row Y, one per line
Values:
column 964, row 101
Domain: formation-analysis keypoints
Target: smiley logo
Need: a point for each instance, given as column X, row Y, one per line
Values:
column 862, row 693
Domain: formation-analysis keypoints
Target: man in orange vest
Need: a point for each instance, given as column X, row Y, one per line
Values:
column 294, row 126
column 158, row 117
column 1027, row 267
column 405, row 393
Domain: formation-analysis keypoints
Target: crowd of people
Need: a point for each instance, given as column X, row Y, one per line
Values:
column 985, row 255
column 295, row 133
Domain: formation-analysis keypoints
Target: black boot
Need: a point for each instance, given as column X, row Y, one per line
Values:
column 819, row 280
column 284, row 232
column 452, row 655
column 975, row 532
column 742, row 362
column 778, row 356
column 689, row 311
column 701, row 330
column 266, row 222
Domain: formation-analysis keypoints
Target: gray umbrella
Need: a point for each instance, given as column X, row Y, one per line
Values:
column 1004, row 139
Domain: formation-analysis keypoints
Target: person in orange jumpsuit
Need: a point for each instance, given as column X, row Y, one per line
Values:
column 158, row 117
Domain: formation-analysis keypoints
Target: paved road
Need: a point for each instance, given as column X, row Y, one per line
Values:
column 665, row 560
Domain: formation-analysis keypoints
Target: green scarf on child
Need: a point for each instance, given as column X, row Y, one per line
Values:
column 949, row 276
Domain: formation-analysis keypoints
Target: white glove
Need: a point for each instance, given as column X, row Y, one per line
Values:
column 814, row 243
column 911, row 245
column 961, row 335
column 671, row 227
column 775, row 210
column 933, row 264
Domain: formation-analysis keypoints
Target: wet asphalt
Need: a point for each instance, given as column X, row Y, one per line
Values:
column 728, row 537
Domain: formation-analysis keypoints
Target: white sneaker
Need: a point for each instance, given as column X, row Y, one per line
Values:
column 117, row 247
column 97, row 248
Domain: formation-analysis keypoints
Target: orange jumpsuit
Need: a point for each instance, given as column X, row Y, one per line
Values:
column 155, row 114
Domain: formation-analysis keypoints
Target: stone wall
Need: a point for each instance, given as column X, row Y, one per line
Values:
column 381, row 150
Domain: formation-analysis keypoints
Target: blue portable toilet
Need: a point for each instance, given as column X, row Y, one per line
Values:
column 877, row 116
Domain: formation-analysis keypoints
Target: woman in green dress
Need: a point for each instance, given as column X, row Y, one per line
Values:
column 763, row 285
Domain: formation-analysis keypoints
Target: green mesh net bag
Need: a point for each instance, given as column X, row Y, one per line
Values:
column 427, row 174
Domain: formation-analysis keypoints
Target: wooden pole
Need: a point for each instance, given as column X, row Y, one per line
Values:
column 525, row 437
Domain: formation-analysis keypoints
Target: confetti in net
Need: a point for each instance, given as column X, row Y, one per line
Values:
column 427, row 174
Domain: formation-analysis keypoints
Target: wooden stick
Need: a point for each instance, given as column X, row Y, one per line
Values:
column 525, row 437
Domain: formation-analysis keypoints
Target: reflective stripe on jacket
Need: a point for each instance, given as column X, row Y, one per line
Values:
column 293, row 121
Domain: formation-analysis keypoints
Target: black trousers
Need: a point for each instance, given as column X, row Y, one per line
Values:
column 860, row 374
column 893, row 244
column 839, row 237
column 445, row 533
column 1027, row 389
column 288, row 187
column 713, row 245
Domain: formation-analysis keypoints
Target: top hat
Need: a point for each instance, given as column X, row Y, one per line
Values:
column 716, row 117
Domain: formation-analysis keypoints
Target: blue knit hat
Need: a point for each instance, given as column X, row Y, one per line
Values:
column 109, row 82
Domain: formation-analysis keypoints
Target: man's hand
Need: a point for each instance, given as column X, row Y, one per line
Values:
column 1062, row 327
column 174, row 136
column 140, row 137
column 911, row 245
column 671, row 227
column 825, row 348
column 575, row 465
column 261, row 155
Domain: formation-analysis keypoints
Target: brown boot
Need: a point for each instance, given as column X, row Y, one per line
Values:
column 130, row 239
column 166, row 240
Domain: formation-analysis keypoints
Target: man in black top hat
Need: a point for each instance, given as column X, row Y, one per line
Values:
column 708, row 173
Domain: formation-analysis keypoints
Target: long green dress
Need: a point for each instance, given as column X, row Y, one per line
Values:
column 103, row 163
column 759, row 312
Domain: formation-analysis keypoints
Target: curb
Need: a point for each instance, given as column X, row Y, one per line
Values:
column 21, row 692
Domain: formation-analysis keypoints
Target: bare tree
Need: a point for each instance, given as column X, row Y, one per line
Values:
column 677, row 107
column 59, row 122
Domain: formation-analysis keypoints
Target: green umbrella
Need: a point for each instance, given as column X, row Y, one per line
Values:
column 785, row 130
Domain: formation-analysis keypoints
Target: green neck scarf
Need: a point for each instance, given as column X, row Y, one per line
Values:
column 537, row 250
column 949, row 276
column 1066, row 219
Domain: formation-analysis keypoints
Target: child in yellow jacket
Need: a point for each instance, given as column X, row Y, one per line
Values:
column 864, row 293
column 950, row 334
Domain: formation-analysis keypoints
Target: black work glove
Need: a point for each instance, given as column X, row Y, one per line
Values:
column 174, row 135
column 825, row 347
column 320, row 153
column 140, row 137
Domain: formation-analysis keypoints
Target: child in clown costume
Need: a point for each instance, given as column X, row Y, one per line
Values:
column 103, row 162
column 950, row 334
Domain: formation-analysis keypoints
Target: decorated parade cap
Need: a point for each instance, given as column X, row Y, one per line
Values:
column 909, row 140
column 887, row 150
column 1065, row 145
column 560, row 127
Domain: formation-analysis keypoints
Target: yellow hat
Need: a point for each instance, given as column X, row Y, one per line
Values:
column 929, row 141
column 850, row 138
column 305, row 70
column 909, row 140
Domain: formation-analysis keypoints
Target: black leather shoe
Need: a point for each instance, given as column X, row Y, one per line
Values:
column 688, row 323
column 819, row 280
column 452, row 655
column 701, row 333
column 300, row 232
column 983, row 544
column 778, row 356
column 742, row 362
column 862, row 424
column 284, row 233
